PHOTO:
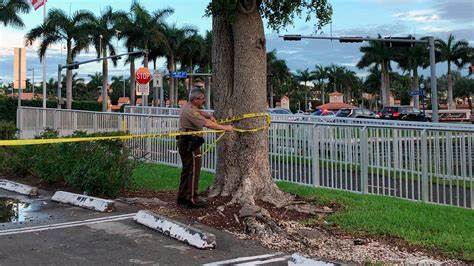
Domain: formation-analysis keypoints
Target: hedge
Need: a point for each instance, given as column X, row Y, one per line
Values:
column 8, row 106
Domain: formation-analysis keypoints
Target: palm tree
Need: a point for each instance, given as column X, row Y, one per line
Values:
column 206, row 54
column 9, row 10
column 377, row 54
column 102, row 31
column 335, row 75
column 176, row 39
column 455, row 52
column 61, row 27
column 141, row 30
column 350, row 83
column 321, row 73
column 410, row 60
column 277, row 72
column 305, row 76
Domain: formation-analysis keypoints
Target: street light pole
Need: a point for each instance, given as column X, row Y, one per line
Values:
column 434, row 88
column 59, row 87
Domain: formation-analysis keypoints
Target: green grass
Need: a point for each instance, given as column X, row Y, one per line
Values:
column 163, row 178
column 448, row 229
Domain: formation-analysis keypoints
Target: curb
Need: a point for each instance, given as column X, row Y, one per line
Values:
column 181, row 232
column 18, row 188
column 88, row 202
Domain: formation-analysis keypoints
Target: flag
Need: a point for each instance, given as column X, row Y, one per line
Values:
column 37, row 3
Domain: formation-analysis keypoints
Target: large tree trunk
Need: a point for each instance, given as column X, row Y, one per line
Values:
column 239, row 64
column 132, row 81
column 68, row 79
column 451, row 104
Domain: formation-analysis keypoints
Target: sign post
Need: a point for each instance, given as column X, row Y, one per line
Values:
column 157, row 84
column 143, row 77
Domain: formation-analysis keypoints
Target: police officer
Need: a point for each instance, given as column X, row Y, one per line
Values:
column 192, row 118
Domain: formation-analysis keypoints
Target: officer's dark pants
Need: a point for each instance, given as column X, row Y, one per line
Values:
column 188, row 187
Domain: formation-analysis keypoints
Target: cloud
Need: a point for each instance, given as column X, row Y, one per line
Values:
column 373, row 30
column 424, row 16
column 456, row 10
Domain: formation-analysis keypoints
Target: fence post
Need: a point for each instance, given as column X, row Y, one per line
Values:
column 74, row 117
column 56, row 120
column 19, row 118
column 148, row 140
column 94, row 122
column 424, row 166
column 364, row 149
column 315, row 168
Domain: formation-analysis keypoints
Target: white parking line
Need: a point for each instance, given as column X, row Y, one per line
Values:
column 66, row 225
column 260, row 262
column 241, row 259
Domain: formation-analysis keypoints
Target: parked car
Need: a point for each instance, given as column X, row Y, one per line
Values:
column 279, row 111
column 323, row 112
column 407, row 113
column 356, row 113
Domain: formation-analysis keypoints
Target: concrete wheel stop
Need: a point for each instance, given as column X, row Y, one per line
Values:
column 88, row 202
column 18, row 188
column 179, row 231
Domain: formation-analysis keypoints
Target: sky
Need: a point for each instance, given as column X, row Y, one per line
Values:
column 420, row 18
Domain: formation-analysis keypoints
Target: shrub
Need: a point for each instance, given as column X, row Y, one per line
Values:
column 101, row 168
column 8, row 130
column 8, row 106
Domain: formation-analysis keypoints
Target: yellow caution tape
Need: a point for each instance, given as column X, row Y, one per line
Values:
column 24, row 142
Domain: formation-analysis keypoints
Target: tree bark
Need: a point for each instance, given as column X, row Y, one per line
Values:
column 451, row 104
column 386, row 84
column 239, row 64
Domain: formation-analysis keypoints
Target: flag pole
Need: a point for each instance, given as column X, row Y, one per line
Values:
column 45, row 96
column 44, row 62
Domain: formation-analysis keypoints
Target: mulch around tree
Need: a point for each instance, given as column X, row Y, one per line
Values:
column 318, row 238
column 211, row 215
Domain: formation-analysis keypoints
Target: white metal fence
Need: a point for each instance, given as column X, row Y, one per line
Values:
column 311, row 118
column 430, row 164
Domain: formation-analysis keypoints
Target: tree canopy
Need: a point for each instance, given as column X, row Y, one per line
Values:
column 279, row 14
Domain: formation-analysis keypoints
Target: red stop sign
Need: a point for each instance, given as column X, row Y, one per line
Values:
column 143, row 75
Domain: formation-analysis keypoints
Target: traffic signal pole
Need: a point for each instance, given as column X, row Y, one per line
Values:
column 76, row 65
column 429, row 42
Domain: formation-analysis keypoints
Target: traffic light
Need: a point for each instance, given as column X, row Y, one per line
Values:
column 295, row 37
column 74, row 65
column 403, row 42
column 350, row 39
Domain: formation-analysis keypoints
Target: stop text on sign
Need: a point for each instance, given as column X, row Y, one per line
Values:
column 143, row 75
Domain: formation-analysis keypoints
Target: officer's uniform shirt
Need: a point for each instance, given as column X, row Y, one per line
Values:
column 190, row 118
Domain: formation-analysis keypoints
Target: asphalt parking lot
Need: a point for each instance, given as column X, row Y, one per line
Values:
column 50, row 233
